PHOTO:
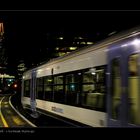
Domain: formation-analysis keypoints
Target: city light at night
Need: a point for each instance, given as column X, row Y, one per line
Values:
column 69, row 68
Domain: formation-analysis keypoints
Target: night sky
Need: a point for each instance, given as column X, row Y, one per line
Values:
column 28, row 32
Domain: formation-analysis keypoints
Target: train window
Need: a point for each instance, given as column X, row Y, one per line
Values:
column 69, row 78
column 48, row 81
column 59, row 95
column 58, row 79
column 27, row 88
column 116, row 88
column 39, row 88
column 72, row 88
column 93, row 88
column 133, row 90
column 88, row 76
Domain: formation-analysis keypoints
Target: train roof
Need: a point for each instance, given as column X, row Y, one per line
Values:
column 100, row 44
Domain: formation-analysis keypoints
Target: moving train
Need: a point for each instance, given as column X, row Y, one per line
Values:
column 97, row 85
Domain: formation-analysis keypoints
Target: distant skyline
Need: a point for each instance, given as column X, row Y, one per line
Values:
column 26, row 32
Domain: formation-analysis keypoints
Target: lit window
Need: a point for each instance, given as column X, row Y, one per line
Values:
column 61, row 38
column 89, row 42
column 73, row 48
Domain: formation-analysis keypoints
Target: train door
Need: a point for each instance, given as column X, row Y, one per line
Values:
column 33, row 94
column 133, row 89
column 133, row 81
column 123, row 80
column 116, row 87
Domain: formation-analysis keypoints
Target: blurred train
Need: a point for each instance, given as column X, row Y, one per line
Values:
column 96, row 85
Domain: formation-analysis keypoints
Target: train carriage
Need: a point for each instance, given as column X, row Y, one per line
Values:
column 97, row 85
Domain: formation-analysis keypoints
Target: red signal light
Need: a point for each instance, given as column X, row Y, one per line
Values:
column 15, row 85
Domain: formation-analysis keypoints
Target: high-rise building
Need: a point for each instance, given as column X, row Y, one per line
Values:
column 77, row 42
column 3, row 58
column 21, row 68
column 5, row 79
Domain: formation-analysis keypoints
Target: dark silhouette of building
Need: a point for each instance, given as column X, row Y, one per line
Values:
column 3, row 58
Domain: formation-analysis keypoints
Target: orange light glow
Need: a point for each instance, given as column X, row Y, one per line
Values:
column 15, row 85
column 1, row 29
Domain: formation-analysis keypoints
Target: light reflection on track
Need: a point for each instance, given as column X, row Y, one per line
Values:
column 8, row 116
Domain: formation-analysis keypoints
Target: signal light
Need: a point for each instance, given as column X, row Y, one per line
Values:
column 15, row 85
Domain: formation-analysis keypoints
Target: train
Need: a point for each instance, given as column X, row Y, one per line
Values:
column 97, row 85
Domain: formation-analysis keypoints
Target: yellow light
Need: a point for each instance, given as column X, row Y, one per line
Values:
column 56, row 48
column 89, row 42
column 73, row 48
column 80, row 37
column 61, row 38
column 6, row 76
column 61, row 53
column 83, row 43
